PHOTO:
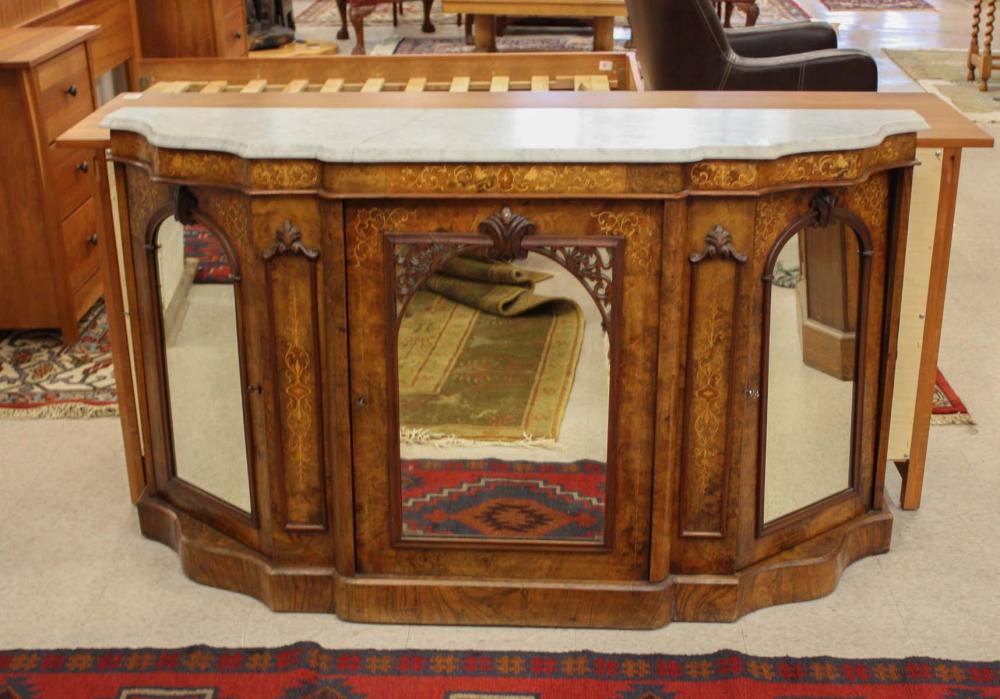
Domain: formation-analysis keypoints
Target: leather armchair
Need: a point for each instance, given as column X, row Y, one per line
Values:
column 683, row 46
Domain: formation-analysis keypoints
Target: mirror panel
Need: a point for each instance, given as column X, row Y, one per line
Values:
column 197, row 286
column 504, row 378
column 810, row 370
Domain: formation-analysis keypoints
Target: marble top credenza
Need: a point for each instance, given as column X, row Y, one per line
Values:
column 509, row 366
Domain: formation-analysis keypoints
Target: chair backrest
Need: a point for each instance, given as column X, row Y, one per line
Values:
column 681, row 43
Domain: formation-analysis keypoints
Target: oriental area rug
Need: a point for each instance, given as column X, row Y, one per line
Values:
column 884, row 5
column 943, row 72
column 307, row 671
column 42, row 378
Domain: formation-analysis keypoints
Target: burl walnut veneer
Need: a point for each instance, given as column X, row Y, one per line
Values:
column 679, row 242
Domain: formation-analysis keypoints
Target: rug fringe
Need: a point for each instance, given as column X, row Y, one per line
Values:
column 60, row 411
column 419, row 436
column 952, row 419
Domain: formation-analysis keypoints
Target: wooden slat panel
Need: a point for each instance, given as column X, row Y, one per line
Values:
column 539, row 83
column 600, row 83
column 297, row 86
column 416, row 85
column 215, row 86
column 333, row 85
column 255, row 86
column 500, row 83
column 460, row 84
column 161, row 87
column 373, row 85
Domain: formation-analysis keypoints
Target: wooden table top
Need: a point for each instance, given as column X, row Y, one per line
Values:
column 948, row 127
column 26, row 47
column 540, row 8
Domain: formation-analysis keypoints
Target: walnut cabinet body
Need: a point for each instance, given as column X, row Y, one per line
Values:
column 686, row 538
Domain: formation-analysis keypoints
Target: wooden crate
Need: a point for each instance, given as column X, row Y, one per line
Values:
column 594, row 72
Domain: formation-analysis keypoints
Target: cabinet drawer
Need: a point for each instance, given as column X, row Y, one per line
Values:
column 234, row 34
column 80, row 237
column 72, row 177
column 65, row 95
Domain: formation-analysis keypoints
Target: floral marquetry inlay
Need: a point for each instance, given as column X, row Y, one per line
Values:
column 515, row 178
column 298, row 390
column 640, row 231
column 368, row 226
column 285, row 174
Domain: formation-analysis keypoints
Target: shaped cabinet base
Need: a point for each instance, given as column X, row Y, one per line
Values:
column 805, row 572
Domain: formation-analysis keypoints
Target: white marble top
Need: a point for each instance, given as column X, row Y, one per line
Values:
column 552, row 135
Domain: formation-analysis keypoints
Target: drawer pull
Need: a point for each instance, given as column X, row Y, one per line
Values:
column 92, row 239
column 71, row 91
column 237, row 35
column 83, row 167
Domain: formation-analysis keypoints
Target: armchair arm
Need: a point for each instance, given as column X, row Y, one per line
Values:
column 836, row 70
column 782, row 39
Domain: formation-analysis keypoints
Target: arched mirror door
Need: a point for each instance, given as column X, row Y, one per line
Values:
column 196, row 282
column 812, row 368
column 503, row 359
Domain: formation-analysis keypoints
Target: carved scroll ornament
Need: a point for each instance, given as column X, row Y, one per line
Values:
column 718, row 244
column 507, row 230
column 288, row 241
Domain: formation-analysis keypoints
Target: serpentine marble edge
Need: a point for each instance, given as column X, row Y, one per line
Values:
column 516, row 135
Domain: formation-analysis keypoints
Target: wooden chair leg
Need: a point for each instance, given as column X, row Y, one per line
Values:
column 753, row 12
column 977, row 9
column 342, row 9
column 428, row 27
column 470, row 38
column 358, row 15
column 986, row 60
column 395, row 14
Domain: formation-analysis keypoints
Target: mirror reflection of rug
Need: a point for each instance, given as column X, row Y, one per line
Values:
column 472, row 375
column 42, row 378
column 504, row 499
column 206, row 248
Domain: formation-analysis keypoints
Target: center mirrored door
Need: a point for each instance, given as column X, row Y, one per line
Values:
column 503, row 378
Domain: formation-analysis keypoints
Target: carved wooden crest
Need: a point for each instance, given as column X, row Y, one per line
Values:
column 823, row 206
column 718, row 244
column 288, row 241
column 185, row 202
column 507, row 230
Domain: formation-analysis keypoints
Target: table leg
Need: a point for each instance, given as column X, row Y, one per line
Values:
column 913, row 469
column 604, row 33
column 977, row 9
column 752, row 12
column 486, row 33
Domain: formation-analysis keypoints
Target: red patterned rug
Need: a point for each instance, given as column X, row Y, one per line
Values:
column 42, row 378
column 504, row 499
column 306, row 671
column 948, row 407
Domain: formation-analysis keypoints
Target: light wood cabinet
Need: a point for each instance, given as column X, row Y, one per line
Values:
column 192, row 28
column 49, row 231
